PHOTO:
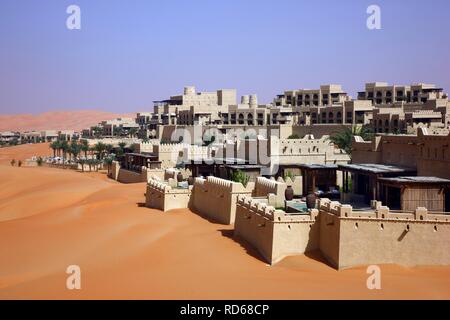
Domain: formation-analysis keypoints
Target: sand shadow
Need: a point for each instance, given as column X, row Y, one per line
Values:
column 249, row 249
column 318, row 256
column 141, row 205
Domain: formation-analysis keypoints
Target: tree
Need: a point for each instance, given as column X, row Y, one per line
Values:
column 85, row 147
column 133, row 132
column 54, row 146
column 109, row 148
column 97, row 132
column 64, row 146
column 100, row 148
column 240, row 177
column 19, row 164
column 75, row 149
column 13, row 162
column 118, row 131
column 108, row 161
column 121, row 149
column 82, row 162
column 294, row 136
column 40, row 161
column 343, row 139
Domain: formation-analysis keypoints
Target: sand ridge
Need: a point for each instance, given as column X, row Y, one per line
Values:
column 57, row 120
column 53, row 218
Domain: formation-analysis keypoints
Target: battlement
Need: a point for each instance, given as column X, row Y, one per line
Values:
column 216, row 198
column 346, row 237
column 160, row 195
column 264, row 187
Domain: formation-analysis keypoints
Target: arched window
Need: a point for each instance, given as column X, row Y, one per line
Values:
column 241, row 118
column 250, row 119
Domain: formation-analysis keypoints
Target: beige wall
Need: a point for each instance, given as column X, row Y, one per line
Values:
column 264, row 187
column 345, row 237
column 216, row 198
column 163, row 197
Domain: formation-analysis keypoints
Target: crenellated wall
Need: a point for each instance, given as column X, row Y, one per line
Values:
column 264, row 187
column 172, row 153
column 346, row 238
column 296, row 183
column 127, row 176
column 353, row 238
column 274, row 233
column 216, row 198
column 163, row 197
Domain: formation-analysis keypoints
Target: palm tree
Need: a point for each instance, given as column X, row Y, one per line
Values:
column 75, row 149
column 54, row 146
column 118, row 131
column 133, row 132
column 97, row 132
column 82, row 162
column 109, row 148
column 121, row 150
column 65, row 148
column 85, row 147
column 108, row 161
column 343, row 139
column 100, row 149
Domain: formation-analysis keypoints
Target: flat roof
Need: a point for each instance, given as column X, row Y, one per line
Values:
column 201, row 160
column 375, row 168
column 144, row 155
column 318, row 166
column 244, row 166
column 416, row 180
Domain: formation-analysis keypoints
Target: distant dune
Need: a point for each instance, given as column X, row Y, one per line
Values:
column 56, row 120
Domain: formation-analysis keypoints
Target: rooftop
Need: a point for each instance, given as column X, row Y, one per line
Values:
column 417, row 180
column 375, row 168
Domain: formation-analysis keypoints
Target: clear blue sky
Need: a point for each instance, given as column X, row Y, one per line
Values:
column 129, row 53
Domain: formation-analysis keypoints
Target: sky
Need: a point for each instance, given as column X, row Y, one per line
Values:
column 129, row 53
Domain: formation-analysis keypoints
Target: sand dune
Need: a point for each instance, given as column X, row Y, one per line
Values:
column 53, row 218
column 56, row 120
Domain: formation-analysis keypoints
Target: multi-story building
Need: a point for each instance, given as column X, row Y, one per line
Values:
column 383, row 93
column 327, row 95
column 191, row 107
column 247, row 113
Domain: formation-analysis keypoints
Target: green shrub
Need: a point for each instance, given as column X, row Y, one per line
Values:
column 240, row 177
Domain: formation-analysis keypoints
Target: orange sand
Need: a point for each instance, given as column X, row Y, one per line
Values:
column 56, row 120
column 53, row 218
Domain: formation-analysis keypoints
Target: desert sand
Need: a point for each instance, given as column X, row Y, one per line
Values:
column 53, row 218
column 56, row 120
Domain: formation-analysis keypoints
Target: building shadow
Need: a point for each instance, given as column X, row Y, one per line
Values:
column 249, row 249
